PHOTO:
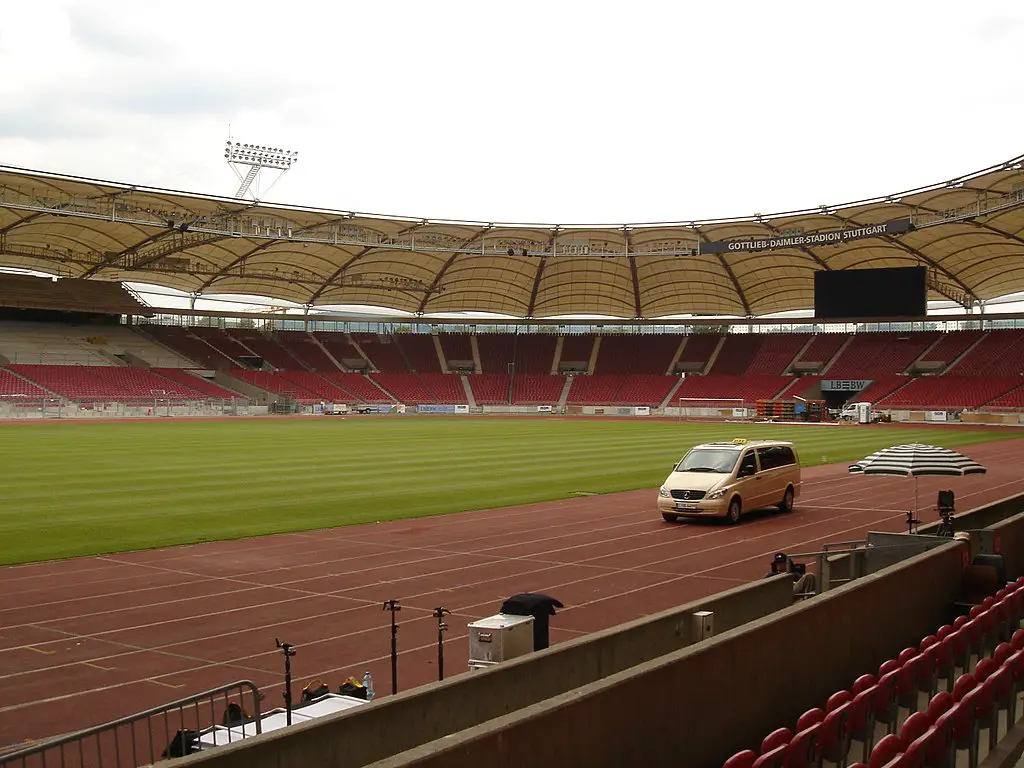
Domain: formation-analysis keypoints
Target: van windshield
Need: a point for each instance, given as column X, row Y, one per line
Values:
column 709, row 460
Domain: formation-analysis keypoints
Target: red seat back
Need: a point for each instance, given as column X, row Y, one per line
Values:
column 830, row 733
column 809, row 718
column 1017, row 641
column 744, row 759
column 943, row 631
column 928, row 641
column 984, row 668
column 963, row 685
column 775, row 739
column 886, row 750
column 861, row 683
column 913, row 728
column 906, row 654
column 1002, row 652
column 859, row 722
column 775, row 758
column 837, row 699
column 941, row 703
column 802, row 748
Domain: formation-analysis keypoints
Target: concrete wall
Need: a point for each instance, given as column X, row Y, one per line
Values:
column 698, row 705
column 420, row 715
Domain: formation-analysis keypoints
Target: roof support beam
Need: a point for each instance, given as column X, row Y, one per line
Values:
column 340, row 271
column 637, row 306
column 437, row 278
column 918, row 255
column 539, row 274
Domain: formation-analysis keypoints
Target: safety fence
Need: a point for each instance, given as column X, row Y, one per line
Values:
column 146, row 737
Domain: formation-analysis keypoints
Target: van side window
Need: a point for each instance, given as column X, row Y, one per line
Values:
column 773, row 456
column 748, row 465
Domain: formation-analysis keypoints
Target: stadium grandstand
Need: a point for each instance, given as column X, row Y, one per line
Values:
column 493, row 317
column 685, row 319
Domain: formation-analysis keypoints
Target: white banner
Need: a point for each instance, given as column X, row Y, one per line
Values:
column 642, row 410
column 462, row 409
column 936, row 415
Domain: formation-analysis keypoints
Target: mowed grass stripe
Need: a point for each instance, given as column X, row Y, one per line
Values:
column 81, row 488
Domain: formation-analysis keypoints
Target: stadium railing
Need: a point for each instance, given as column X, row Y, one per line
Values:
column 146, row 737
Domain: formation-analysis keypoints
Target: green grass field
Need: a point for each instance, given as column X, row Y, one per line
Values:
column 87, row 488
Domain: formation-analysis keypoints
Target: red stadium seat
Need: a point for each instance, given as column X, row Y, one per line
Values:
column 860, row 721
column 809, row 718
column 803, row 747
column 943, row 631
column 837, row 699
column 775, row 758
column 941, row 703
column 913, row 728
column 776, row 739
column 1017, row 640
column 832, row 745
column 744, row 759
column 886, row 752
column 963, row 685
column 862, row 683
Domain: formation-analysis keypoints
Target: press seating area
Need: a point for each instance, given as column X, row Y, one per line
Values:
column 94, row 383
column 928, row 706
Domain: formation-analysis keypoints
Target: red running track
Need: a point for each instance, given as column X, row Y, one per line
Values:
column 87, row 640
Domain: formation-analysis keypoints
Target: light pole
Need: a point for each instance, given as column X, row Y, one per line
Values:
column 254, row 158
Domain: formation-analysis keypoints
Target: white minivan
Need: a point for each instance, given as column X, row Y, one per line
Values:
column 730, row 479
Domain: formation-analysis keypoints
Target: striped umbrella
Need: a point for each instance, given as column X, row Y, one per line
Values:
column 914, row 460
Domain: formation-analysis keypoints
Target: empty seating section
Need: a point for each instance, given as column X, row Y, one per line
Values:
column 776, row 352
column 699, row 348
column 360, row 386
column 951, row 345
column 341, row 349
column 644, row 389
column 823, row 348
column 1013, row 399
column 537, row 388
column 640, row 353
column 983, row 368
column 1000, row 353
column 747, row 388
column 881, row 387
column 491, row 388
column 223, row 342
column 498, row 350
column 191, row 380
column 595, row 390
column 47, row 344
column 185, row 343
column 948, row 700
column 15, row 388
column 97, row 383
column 577, row 348
column 419, row 351
column 938, row 392
column 383, row 352
column 267, row 348
column 306, row 350
column 405, row 387
column 68, row 294
column 533, row 353
column 276, row 383
column 318, row 385
column 871, row 355
column 446, row 387
column 457, row 347
column 736, row 354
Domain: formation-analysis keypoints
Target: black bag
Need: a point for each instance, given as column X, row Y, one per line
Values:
column 185, row 742
column 314, row 690
column 353, row 688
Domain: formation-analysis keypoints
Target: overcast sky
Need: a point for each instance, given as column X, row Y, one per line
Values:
column 537, row 112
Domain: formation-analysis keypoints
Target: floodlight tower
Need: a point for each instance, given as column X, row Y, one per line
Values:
column 254, row 158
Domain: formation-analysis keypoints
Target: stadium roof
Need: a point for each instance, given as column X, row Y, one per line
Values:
column 968, row 232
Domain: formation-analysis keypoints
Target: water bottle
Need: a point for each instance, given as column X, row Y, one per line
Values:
column 368, row 685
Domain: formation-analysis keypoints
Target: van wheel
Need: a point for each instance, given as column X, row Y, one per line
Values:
column 735, row 510
column 787, row 501
column 669, row 517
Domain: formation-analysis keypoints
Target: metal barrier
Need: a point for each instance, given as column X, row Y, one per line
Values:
column 120, row 744
column 860, row 558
